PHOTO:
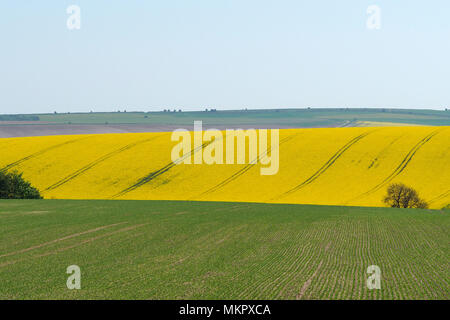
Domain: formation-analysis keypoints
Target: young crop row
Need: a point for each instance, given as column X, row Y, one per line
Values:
column 212, row 250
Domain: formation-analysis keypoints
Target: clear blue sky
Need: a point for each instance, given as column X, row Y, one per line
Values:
column 192, row 54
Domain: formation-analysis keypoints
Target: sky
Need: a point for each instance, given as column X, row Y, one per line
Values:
column 224, row 54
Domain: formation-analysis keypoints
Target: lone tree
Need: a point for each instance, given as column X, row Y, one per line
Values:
column 402, row 196
column 14, row 186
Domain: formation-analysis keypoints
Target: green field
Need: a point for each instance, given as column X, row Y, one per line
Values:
column 283, row 117
column 204, row 250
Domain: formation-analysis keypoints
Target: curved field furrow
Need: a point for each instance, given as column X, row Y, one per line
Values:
column 440, row 197
column 327, row 165
column 36, row 154
column 94, row 163
column 243, row 170
column 161, row 171
column 406, row 160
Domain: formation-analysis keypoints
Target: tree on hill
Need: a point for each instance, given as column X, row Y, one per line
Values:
column 401, row 196
column 14, row 186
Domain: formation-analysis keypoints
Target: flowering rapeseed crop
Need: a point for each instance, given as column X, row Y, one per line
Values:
column 332, row 166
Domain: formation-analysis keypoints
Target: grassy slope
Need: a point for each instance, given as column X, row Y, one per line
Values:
column 220, row 250
column 286, row 117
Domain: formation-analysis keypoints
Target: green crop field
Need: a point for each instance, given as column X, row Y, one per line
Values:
column 282, row 117
column 205, row 250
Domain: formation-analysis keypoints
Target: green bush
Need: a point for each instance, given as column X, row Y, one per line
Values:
column 14, row 186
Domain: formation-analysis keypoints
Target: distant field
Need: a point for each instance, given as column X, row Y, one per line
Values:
column 294, row 117
column 332, row 166
column 126, row 122
column 202, row 250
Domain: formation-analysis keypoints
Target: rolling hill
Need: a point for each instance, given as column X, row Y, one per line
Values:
column 330, row 166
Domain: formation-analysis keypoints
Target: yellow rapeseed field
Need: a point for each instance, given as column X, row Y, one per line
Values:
column 333, row 166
